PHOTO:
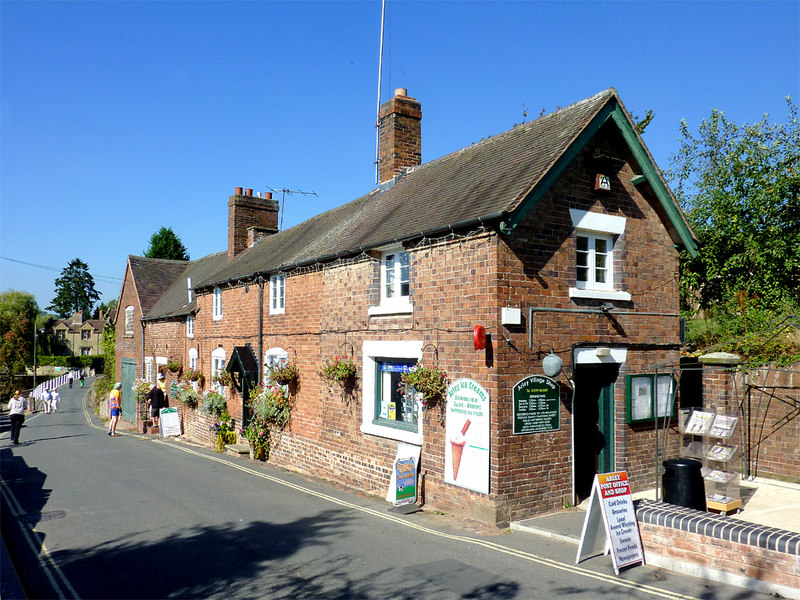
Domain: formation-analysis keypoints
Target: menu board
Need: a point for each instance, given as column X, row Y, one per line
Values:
column 537, row 402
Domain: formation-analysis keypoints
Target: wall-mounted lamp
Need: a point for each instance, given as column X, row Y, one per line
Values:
column 551, row 365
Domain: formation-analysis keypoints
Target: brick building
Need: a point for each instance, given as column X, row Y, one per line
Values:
column 558, row 236
column 82, row 336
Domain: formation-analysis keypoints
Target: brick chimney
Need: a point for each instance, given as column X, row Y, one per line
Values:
column 77, row 316
column 248, row 212
column 400, row 121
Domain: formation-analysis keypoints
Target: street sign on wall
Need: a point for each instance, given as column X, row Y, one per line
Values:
column 537, row 405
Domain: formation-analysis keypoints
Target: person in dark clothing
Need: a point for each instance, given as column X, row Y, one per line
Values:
column 156, row 400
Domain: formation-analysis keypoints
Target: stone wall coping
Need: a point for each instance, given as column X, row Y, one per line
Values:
column 718, row 526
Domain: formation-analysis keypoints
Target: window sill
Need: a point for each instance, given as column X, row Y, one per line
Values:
column 409, row 437
column 599, row 294
column 391, row 309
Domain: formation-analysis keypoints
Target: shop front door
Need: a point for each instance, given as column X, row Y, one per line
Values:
column 593, row 423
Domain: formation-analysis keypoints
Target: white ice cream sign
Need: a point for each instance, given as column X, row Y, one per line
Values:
column 466, row 455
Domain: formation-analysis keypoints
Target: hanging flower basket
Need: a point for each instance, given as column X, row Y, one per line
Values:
column 223, row 378
column 428, row 382
column 175, row 366
column 284, row 374
column 338, row 370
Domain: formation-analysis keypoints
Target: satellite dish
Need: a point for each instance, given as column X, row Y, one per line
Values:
column 551, row 365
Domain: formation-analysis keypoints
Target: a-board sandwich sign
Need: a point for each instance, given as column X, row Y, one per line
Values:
column 537, row 405
column 170, row 423
column 406, row 481
column 610, row 524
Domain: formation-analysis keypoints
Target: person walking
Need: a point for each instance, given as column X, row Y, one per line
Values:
column 48, row 397
column 82, row 377
column 71, row 377
column 155, row 398
column 114, row 407
column 16, row 411
column 55, row 398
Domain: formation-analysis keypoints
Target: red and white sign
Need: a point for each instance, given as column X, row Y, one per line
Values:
column 611, row 504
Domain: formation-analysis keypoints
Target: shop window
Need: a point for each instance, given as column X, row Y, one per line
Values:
column 649, row 396
column 385, row 411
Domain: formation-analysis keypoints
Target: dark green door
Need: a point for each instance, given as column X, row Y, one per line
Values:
column 128, row 397
column 593, row 423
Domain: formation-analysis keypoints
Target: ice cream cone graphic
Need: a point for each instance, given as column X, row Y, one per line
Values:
column 457, row 443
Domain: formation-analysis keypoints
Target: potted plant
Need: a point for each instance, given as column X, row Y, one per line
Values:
column 224, row 431
column 213, row 403
column 187, row 395
column 175, row 366
column 257, row 433
column 194, row 376
column 338, row 370
column 284, row 374
column 223, row 378
column 271, row 405
column 428, row 383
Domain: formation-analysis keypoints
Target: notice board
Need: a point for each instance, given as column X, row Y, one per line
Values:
column 537, row 405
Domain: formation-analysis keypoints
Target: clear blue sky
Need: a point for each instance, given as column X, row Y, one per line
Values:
column 121, row 117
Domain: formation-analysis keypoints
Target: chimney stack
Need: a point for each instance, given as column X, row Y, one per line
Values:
column 247, row 212
column 400, row 122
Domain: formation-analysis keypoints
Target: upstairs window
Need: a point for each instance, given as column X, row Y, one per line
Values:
column 190, row 326
column 129, row 320
column 193, row 358
column 395, row 283
column 594, row 261
column 216, row 304
column 596, row 236
column 277, row 294
column 86, row 334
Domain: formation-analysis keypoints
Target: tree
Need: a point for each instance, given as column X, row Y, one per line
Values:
column 739, row 185
column 74, row 290
column 165, row 244
column 105, row 308
column 18, row 311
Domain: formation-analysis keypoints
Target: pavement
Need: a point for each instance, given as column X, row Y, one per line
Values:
column 765, row 502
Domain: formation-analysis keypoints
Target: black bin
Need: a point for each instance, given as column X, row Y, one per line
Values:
column 683, row 483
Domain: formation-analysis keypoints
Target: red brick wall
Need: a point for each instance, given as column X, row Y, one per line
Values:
column 128, row 346
column 721, row 555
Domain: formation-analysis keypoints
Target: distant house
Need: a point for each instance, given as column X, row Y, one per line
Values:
column 82, row 337
column 558, row 236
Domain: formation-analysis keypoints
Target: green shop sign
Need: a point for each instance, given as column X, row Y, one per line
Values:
column 536, row 405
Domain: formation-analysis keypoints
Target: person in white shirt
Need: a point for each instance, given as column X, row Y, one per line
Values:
column 48, row 397
column 16, row 412
column 55, row 398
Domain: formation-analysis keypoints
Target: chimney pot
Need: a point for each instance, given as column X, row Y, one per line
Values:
column 237, row 191
column 401, row 92
column 268, row 195
column 248, row 191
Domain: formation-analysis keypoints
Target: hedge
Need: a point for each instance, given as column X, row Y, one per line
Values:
column 94, row 361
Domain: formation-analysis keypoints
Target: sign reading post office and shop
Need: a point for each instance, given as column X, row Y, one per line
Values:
column 537, row 405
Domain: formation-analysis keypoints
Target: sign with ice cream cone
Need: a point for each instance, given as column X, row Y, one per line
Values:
column 466, row 455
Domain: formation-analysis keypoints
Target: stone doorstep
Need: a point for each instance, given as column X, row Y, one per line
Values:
column 237, row 449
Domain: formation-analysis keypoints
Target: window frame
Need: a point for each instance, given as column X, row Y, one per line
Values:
column 277, row 294
column 190, row 326
column 373, row 353
column 216, row 303
column 397, row 302
column 218, row 363
column 193, row 355
column 598, row 226
column 657, row 401
column 129, row 310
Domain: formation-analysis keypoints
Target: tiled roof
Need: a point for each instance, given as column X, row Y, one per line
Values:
column 484, row 181
column 152, row 277
column 174, row 302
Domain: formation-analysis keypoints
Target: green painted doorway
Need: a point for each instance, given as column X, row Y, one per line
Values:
column 128, row 397
column 593, row 424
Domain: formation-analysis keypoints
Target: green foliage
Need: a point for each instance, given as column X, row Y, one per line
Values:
column 214, row 403
column 106, row 307
column 74, row 290
column 187, row 395
column 739, row 186
column 641, row 124
column 108, row 343
column 164, row 243
column 18, row 312
column 94, row 361
column 431, row 382
column 338, row 370
column 270, row 405
column 283, row 374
